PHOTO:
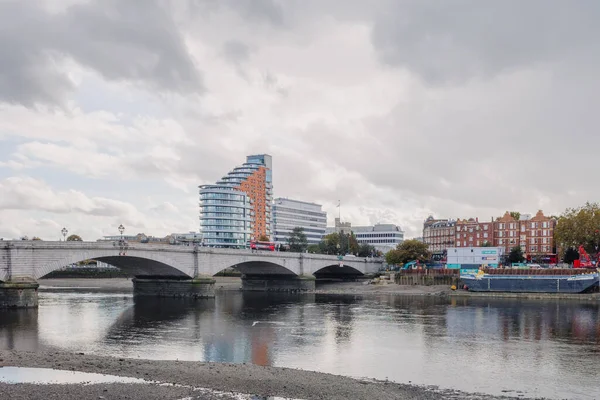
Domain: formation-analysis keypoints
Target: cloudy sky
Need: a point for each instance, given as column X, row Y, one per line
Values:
column 114, row 111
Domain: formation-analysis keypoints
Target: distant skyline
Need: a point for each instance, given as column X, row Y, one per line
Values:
column 113, row 112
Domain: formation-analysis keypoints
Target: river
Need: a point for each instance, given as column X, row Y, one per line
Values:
column 496, row 346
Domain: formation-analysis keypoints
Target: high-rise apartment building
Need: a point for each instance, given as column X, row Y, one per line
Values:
column 289, row 214
column 237, row 208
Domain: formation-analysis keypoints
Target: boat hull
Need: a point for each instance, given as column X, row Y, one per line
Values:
column 531, row 283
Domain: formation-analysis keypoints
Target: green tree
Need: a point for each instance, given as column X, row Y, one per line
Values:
column 348, row 243
column 35, row 238
column 516, row 255
column 263, row 238
column 409, row 250
column 314, row 249
column 297, row 241
column 570, row 255
column 74, row 238
column 579, row 226
column 515, row 214
column 330, row 244
column 366, row 250
column 487, row 243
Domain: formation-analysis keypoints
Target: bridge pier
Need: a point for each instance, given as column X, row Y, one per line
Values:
column 19, row 294
column 278, row 283
column 201, row 287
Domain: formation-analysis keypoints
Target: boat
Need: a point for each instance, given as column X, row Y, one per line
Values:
column 483, row 281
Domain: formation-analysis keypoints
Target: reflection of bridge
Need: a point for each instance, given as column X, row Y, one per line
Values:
column 166, row 270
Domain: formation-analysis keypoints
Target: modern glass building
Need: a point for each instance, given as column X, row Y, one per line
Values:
column 289, row 214
column 237, row 208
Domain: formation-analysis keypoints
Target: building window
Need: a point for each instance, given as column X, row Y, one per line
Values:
column 485, row 235
column 500, row 226
column 485, row 227
column 464, row 242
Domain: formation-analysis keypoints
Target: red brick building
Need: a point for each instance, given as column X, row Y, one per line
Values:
column 535, row 235
column 472, row 233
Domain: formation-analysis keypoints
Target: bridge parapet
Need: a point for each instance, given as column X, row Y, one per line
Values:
column 34, row 259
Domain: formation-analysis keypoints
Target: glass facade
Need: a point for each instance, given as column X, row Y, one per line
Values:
column 237, row 208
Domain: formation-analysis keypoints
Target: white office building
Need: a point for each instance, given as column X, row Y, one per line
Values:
column 289, row 214
column 384, row 237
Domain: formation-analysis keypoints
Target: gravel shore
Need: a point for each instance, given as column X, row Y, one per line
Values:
column 233, row 283
column 186, row 380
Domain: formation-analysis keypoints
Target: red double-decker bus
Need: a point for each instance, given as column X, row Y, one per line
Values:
column 258, row 245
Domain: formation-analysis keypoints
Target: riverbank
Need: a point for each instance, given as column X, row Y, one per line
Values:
column 124, row 285
column 179, row 379
column 234, row 283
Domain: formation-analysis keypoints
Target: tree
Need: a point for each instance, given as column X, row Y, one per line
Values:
column 35, row 238
column 330, row 244
column 516, row 255
column 297, row 241
column 579, row 226
column 314, row 249
column 487, row 243
column 515, row 214
column 348, row 243
column 74, row 238
column 409, row 250
column 570, row 255
column 263, row 238
column 366, row 250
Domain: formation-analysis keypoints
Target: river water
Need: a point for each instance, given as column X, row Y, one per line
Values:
column 509, row 347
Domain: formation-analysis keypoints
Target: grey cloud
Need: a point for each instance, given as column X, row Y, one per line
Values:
column 236, row 52
column 456, row 40
column 133, row 41
column 270, row 11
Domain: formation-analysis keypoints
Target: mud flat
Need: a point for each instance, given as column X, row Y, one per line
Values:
column 198, row 380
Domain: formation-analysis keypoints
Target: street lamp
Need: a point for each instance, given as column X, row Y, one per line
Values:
column 64, row 232
column 121, row 229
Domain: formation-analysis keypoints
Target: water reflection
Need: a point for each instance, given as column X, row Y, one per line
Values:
column 543, row 348
column 19, row 330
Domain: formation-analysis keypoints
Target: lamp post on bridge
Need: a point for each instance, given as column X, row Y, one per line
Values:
column 121, row 230
column 64, row 232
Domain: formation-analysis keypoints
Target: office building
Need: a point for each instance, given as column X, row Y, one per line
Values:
column 384, row 237
column 237, row 208
column 289, row 214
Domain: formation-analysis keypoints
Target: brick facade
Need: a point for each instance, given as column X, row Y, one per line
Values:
column 535, row 235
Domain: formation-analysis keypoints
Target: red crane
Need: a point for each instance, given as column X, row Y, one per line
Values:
column 584, row 259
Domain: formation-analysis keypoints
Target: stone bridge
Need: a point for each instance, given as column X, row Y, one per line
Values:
column 166, row 270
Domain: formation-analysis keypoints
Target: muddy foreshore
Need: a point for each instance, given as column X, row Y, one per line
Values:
column 186, row 380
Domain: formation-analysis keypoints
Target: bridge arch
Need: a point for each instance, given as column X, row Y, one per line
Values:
column 335, row 271
column 260, row 268
column 136, row 263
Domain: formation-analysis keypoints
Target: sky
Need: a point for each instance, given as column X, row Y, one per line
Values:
column 114, row 111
